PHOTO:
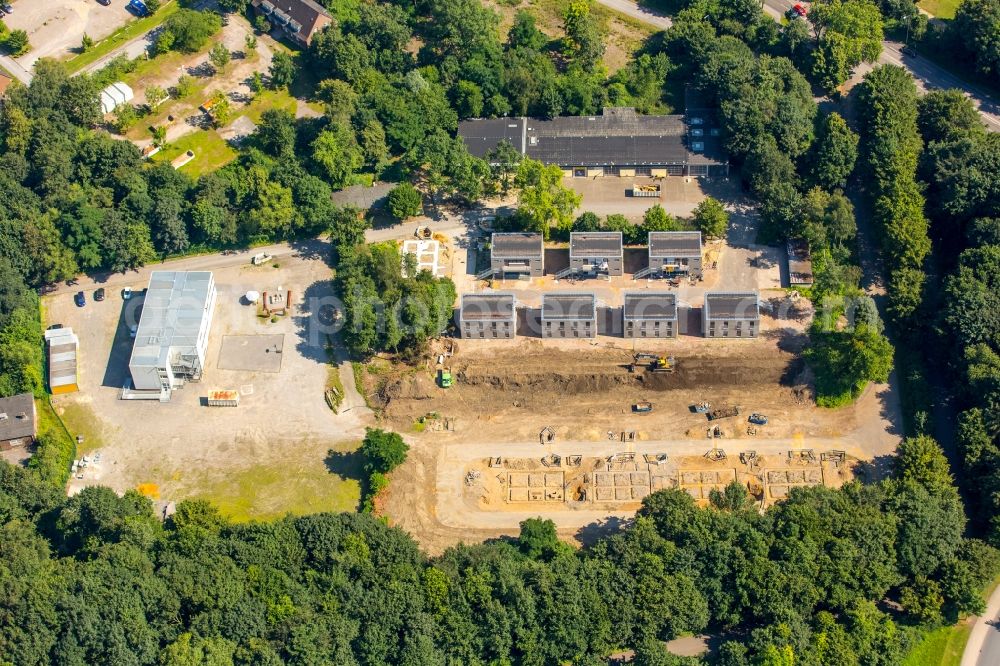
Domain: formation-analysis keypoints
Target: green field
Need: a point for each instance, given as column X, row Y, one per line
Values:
column 940, row 8
column 941, row 647
column 129, row 31
column 298, row 486
column 211, row 152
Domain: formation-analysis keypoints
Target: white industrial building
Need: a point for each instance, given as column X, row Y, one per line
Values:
column 115, row 95
column 171, row 340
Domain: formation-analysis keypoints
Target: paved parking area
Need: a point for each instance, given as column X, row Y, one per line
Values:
column 56, row 27
column 261, row 353
column 607, row 195
column 181, row 446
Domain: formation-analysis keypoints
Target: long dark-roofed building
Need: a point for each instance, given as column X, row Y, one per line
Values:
column 491, row 315
column 593, row 252
column 619, row 142
column 517, row 254
column 731, row 315
column 569, row 315
column 650, row 314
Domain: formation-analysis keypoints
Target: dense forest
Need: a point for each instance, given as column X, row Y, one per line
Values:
column 827, row 577
column 850, row 576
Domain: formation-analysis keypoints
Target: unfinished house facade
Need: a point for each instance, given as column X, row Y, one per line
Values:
column 517, row 254
column 672, row 252
column 171, row 341
column 650, row 314
column 569, row 316
column 488, row 316
column 731, row 315
column 593, row 253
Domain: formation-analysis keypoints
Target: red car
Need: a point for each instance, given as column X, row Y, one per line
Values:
column 797, row 11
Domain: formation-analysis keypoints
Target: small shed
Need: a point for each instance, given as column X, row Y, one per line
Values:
column 116, row 95
column 63, row 347
column 18, row 421
column 800, row 269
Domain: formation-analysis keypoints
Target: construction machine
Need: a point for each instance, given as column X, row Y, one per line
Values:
column 445, row 378
column 655, row 362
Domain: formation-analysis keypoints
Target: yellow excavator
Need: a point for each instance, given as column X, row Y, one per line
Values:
column 654, row 363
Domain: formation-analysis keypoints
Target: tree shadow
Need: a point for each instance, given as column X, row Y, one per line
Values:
column 593, row 532
column 873, row 471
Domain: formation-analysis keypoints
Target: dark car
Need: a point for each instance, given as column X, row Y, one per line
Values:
column 104, row 2
column 99, row 294
column 6, row 6
column 54, row 327
column 80, row 299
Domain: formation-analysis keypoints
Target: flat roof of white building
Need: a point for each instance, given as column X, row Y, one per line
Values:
column 172, row 313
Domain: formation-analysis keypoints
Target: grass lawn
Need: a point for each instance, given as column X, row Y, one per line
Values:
column 81, row 420
column 266, row 100
column 297, row 486
column 210, row 150
column 941, row 647
column 129, row 31
column 940, row 8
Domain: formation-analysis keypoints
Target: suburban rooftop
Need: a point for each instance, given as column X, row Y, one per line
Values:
column 674, row 243
column 741, row 305
column 569, row 306
column 651, row 305
column 595, row 243
column 489, row 307
column 516, row 245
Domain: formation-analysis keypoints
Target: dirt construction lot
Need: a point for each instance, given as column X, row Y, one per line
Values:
column 56, row 27
column 242, row 457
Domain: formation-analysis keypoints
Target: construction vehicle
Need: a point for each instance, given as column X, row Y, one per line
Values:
column 757, row 419
column 642, row 407
column 423, row 232
column 654, row 362
column 445, row 378
column 702, row 408
column 723, row 413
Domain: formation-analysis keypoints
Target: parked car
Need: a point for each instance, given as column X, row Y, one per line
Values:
column 104, row 2
column 758, row 419
column 132, row 330
column 126, row 293
column 6, row 6
column 80, row 299
column 99, row 294
column 54, row 327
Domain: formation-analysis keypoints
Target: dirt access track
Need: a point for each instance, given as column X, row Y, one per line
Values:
column 506, row 393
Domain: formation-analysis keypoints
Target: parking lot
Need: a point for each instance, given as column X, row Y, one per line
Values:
column 607, row 195
column 180, row 448
column 56, row 27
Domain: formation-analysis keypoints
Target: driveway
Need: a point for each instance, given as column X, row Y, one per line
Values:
column 56, row 27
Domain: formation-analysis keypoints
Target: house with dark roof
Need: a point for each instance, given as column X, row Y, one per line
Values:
column 299, row 20
column 517, row 254
column 596, row 252
column 619, row 142
column 650, row 314
column 569, row 315
column 18, row 421
column 488, row 315
column 731, row 315
column 675, row 252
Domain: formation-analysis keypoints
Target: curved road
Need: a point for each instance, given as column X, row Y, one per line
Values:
column 983, row 646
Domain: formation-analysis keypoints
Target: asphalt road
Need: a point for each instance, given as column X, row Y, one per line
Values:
column 983, row 646
column 927, row 75
column 15, row 69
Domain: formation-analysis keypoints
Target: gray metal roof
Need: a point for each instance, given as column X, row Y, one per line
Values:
column 172, row 312
column 575, row 307
column 732, row 305
column 619, row 136
column 675, row 243
column 595, row 244
column 516, row 245
column 487, row 307
column 650, row 305
column 17, row 416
